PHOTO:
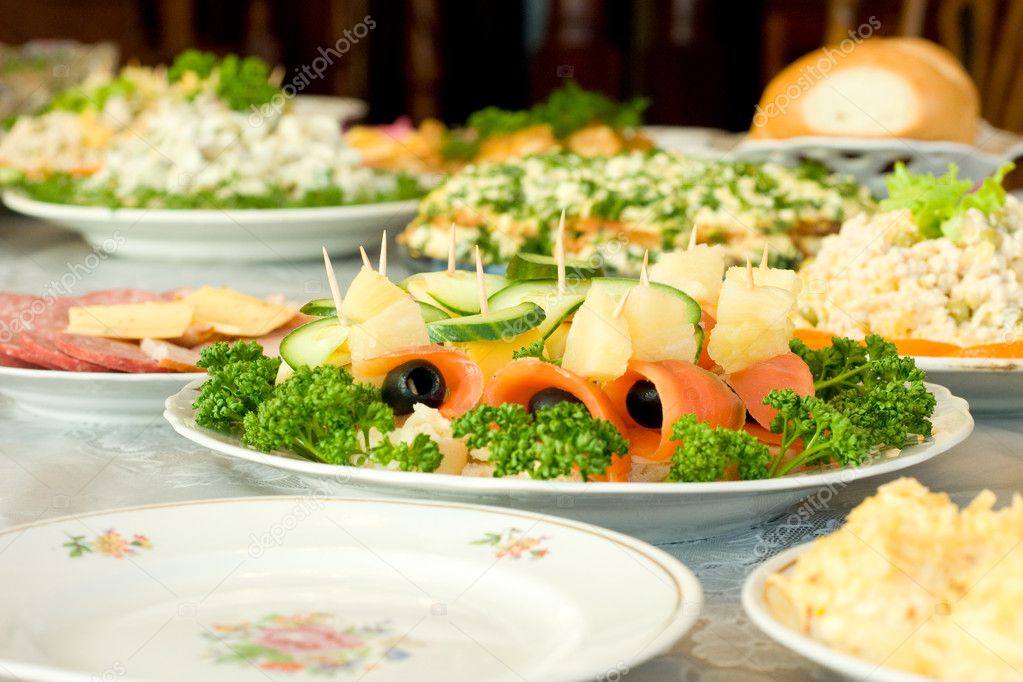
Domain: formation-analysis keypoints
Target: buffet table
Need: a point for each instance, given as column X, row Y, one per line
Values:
column 50, row 469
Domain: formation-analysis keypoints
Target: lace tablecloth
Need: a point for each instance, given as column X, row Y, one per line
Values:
column 50, row 468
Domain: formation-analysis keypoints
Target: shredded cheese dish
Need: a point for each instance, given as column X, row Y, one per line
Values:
column 914, row 583
column 878, row 275
column 620, row 206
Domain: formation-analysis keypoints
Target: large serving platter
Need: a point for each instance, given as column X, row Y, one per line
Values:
column 276, row 588
column 988, row 384
column 221, row 235
column 657, row 512
column 97, row 397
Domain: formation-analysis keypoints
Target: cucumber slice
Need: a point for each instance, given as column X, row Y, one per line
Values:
column 319, row 307
column 699, row 343
column 313, row 343
column 324, row 307
column 528, row 266
column 431, row 313
column 559, row 312
column 619, row 285
column 456, row 292
column 542, row 292
column 495, row 326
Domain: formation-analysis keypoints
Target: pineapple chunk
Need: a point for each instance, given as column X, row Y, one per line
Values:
column 369, row 294
column 767, row 277
column 753, row 325
column 697, row 272
column 398, row 327
column 598, row 345
column 659, row 326
column 493, row 355
column 555, row 345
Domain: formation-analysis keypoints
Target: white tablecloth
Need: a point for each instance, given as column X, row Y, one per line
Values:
column 50, row 469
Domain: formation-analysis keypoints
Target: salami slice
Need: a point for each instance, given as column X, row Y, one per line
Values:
column 40, row 348
column 11, row 361
column 117, row 355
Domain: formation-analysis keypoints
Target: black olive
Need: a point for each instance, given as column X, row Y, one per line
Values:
column 414, row 382
column 549, row 397
column 644, row 405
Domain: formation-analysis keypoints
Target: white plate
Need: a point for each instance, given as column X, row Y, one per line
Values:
column 988, row 384
column 104, row 397
column 222, row 235
column 758, row 611
column 285, row 588
column 658, row 512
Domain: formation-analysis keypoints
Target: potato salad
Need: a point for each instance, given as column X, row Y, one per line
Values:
column 204, row 133
column 893, row 274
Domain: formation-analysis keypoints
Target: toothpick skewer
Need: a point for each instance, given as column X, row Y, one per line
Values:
column 559, row 254
column 644, row 274
column 692, row 237
column 451, row 250
column 365, row 259
column 482, row 284
column 383, row 255
column 763, row 258
column 620, row 308
column 749, row 272
column 335, row 292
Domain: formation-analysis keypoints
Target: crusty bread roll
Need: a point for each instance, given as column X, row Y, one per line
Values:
column 881, row 87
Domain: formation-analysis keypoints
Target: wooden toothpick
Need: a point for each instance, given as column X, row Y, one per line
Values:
column 559, row 254
column 692, row 238
column 763, row 258
column 620, row 308
column 451, row 250
column 335, row 291
column 749, row 272
column 481, row 282
column 382, row 269
column 365, row 259
column 644, row 273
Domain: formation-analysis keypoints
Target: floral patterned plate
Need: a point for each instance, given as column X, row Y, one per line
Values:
column 318, row 588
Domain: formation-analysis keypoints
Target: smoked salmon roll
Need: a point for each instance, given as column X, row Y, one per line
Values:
column 778, row 373
column 534, row 384
column 651, row 396
column 437, row 376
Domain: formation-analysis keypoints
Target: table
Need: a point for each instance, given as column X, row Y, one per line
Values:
column 51, row 469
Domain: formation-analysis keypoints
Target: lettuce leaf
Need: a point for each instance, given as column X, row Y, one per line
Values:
column 939, row 203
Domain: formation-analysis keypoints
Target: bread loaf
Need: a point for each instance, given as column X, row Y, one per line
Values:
column 881, row 87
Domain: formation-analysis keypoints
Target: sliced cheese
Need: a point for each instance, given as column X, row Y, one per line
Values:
column 231, row 312
column 131, row 320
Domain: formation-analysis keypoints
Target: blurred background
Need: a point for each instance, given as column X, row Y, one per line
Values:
column 701, row 62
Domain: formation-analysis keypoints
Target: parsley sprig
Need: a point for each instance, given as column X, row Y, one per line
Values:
column 554, row 442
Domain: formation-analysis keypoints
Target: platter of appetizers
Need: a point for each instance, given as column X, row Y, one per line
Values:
column 203, row 159
column 115, row 355
column 389, row 589
column 555, row 387
column 911, row 588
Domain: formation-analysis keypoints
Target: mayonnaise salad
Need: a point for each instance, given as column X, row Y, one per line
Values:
column 205, row 133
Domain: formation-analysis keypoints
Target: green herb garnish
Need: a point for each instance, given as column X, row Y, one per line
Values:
column 554, row 442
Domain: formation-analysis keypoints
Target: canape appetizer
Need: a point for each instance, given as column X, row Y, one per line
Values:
column 557, row 371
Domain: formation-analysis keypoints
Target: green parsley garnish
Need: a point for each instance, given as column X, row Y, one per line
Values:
column 554, row 442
